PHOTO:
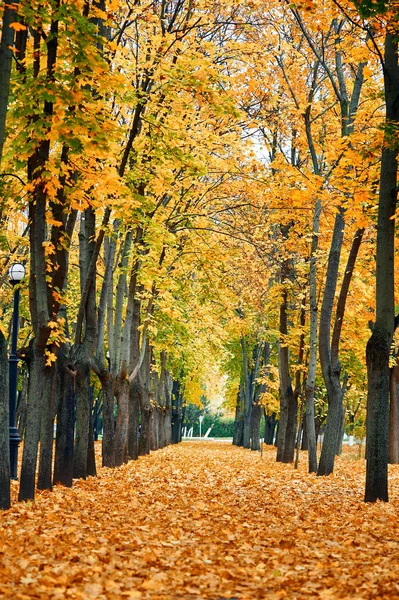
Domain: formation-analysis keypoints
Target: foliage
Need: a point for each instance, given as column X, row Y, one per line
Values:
column 177, row 520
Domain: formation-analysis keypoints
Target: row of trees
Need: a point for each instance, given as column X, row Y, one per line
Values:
column 171, row 172
column 120, row 130
column 321, row 130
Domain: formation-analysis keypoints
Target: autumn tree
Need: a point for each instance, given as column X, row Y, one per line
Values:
column 379, row 344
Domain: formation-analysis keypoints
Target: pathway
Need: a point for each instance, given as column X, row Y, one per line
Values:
column 204, row 521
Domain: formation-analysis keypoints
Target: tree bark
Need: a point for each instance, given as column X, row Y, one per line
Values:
column 331, row 372
column 255, row 425
column 5, row 499
column 329, row 352
column 247, row 396
column 44, row 480
column 6, row 57
column 177, row 412
column 379, row 344
column 393, row 445
column 270, row 428
column 38, row 387
column 310, row 387
column 108, row 441
column 135, row 392
column 288, row 402
column 122, row 422
column 238, row 434
column 65, row 392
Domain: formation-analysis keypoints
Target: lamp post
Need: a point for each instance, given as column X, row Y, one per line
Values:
column 201, row 418
column 16, row 274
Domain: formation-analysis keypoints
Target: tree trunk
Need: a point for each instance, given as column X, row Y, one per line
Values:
column 91, row 454
column 168, row 427
column 331, row 373
column 377, row 421
column 5, row 500
column 304, row 445
column 288, row 401
column 341, row 431
column 83, row 463
column 177, row 413
column 20, row 416
column 6, row 57
column 154, row 438
column 146, row 406
column 393, row 446
column 145, row 435
column 238, row 434
column 38, row 387
column 379, row 344
column 135, row 393
column 270, row 428
column 333, row 426
column 122, row 422
column 108, row 441
column 255, row 426
column 310, row 386
column 65, row 391
column 83, row 418
column 246, row 390
column 44, row 481
column 246, row 439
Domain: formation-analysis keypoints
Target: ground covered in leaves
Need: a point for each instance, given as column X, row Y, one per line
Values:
column 204, row 520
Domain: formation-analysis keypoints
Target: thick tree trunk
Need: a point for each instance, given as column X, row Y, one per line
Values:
column 38, row 388
column 341, row 431
column 161, row 428
column 145, row 433
column 122, row 422
column 91, row 454
column 135, row 392
column 65, row 393
column 329, row 352
column 333, row 426
column 6, row 58
column 5, row 500
column 246, row 440
column 168, row 427
column 288, row 401
column 146, row 408
column 238, row 434
column 255, row 426
column 108, row 441
column 304, row 444
column 276, row 435
column 177, row 413
column 377, row 423
column 270, row 428
column 331, row 372
column 393, row 446
column 379, row 344
column 154, row 437
column 83, row 418
column 44, row 480
column 83, row 463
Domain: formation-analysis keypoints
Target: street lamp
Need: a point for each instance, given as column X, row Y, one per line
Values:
column 201, row 418
column 16, row 274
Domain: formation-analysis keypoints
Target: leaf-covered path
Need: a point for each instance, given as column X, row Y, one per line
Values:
column 204, row 520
